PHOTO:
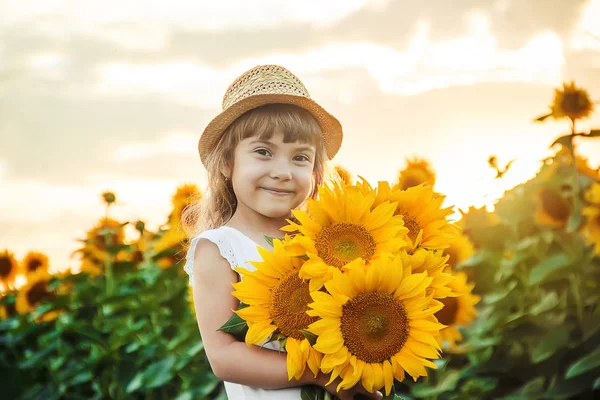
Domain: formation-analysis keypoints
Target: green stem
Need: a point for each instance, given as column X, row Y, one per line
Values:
column 574, row 281
column 576, row 200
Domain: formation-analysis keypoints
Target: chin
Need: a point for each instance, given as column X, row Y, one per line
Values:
column 276, row 213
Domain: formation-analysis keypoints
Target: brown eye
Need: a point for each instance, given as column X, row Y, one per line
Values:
column 302, row 158
column 263, row 152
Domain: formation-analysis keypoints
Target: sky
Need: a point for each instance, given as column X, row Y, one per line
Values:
column 111, row 95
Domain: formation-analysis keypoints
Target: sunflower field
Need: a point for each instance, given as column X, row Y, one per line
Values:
column 521, row 314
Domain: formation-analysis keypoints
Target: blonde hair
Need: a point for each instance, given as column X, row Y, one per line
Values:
column 219, row 202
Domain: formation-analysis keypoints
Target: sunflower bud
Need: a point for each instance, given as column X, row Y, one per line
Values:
column 109, row 198
column 140, row 226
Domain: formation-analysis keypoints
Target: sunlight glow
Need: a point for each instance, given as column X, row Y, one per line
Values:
column 587, row 33
column 424, row 66
column 175, row 142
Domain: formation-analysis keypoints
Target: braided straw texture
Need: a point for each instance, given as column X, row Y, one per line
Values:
column 268, row 84
column 265, row 79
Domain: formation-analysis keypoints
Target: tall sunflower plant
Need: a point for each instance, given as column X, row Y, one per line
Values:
column 355, row 288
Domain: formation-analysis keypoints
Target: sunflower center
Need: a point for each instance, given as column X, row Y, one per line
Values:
column 554, row 205
column 5, row 266
column 100, row 242
column 574, row 102
column 447, row 315
column 288, row 307
column 33, row 265
column 343, row 242
column 413, row 226
column 374, row 326
column 37, row 293
column 412, row 180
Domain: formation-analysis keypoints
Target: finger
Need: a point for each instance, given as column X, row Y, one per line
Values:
column 363, row 394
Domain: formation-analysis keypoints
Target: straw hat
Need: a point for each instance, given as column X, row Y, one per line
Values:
column 268, row 84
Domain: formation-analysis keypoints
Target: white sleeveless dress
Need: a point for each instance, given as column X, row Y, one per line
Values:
column 238, row 249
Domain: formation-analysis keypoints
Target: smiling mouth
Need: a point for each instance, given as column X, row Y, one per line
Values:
column 278, row 191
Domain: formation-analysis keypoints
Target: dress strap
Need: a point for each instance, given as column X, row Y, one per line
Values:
column 216, row 236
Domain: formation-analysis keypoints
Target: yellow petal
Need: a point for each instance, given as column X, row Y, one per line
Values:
column 296, row 358
column 388, row 376
column 259, row 332
column 325, row 305
column 368, row 377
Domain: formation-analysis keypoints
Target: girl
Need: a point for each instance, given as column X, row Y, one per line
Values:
column 265, row 155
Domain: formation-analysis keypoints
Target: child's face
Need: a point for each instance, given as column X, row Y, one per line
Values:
column 272, row 177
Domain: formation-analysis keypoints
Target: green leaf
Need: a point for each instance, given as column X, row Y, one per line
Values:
column 135, row 383
column 311, row 337
column 533, row 386
column 584, row 364
column 197, row 348
column 38, row 357
column 9, row 324
column 236, row 326
column 550, row 343
column 269, row 240
column 563, row 140
column 448, row 383
column 597, row 381
column 594, row 133
column 499, row 294
column 312, row 392
column 159, row 373
column 115, row 248
column 84, row 376
column 541, row 118
column 547, row 267
column 575, row 219
column 548, row 303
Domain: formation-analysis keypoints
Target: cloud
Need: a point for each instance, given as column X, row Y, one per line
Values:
column 424, row 65
column 59, row 137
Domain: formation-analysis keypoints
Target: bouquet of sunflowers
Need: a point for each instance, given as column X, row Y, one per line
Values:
column 356, row 288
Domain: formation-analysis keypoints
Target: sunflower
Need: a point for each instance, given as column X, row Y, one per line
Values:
column 9, row 268
column 34, row 261
column 277, row 300
column 107, row 232
column 571, row 102
column 435, row 264
column 183, row 197
column 34, row 292
column 421, row 209
column 376, row 323
column 457, row 311
column 341, row 226
column 552, row 208
column 343, row 174
column 171, row 238
column 592, row 194
column 461, row 249
column 91, row 267
column 592, row 226
column 417, row 172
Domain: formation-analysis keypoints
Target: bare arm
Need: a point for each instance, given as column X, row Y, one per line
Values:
column 231, row 360
column 234, row 361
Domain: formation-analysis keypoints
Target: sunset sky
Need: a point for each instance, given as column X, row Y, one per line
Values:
column 113, row 95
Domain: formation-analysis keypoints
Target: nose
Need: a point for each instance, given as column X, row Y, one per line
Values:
column 281, row 169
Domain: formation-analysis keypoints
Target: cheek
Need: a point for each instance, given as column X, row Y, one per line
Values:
column 305, row 179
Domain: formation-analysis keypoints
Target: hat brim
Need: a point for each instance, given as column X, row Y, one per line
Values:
column 330, row 126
